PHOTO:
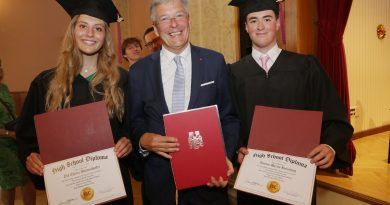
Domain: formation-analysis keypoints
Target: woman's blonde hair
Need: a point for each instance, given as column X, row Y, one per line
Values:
column 60, row 91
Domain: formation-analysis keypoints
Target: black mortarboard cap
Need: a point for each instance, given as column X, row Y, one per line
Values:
column 101, row 9
column 250, row 6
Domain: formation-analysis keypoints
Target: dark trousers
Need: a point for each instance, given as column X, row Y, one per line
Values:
column 203, row 195
column 193, row 196
column 145, row 200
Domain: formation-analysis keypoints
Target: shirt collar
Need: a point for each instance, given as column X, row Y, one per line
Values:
column 185, row 54
column 273, row 53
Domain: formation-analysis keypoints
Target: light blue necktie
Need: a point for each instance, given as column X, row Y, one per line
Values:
column 178, row 94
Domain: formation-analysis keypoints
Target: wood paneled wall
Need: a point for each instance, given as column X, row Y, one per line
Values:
column 214, row 25
column 301, row 26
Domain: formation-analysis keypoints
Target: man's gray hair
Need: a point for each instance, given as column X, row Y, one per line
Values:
column 155, row 3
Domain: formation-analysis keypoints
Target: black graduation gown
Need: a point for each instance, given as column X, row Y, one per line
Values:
column 35, row 104
column 294, row 81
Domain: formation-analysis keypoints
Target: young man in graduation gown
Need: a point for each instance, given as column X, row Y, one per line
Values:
column 178, row 77
column 270, row 76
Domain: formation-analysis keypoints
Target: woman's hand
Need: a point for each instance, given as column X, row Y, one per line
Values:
column 34, row 164
column 123, row 147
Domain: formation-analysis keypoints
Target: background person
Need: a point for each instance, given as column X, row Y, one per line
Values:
column 131, row 50
column 12, row 172
column 152, row 40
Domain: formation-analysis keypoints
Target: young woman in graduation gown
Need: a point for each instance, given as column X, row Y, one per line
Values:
column 87, row 72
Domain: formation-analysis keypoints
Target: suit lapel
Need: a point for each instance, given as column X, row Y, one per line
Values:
column 197, row 69
column 157, row 79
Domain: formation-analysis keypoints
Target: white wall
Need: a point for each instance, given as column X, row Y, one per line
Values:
column 368, row 60
column 30, row 36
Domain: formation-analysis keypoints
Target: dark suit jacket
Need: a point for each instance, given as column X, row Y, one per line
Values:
column 147, row 105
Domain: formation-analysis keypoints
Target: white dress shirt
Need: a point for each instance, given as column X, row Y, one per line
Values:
column 168, row 69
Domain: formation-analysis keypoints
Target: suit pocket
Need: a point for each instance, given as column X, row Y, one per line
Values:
column 207, row 83
column 208, row 93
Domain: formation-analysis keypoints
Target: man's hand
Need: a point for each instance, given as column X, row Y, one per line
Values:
column 123, row 147
column 241, row 154
column 220, row 182
column 322, row 156
column 162, row 145
column 34, row 164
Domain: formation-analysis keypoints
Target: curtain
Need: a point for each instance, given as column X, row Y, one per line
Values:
column 332, row 19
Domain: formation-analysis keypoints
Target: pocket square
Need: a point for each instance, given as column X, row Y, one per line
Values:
column 208, row 83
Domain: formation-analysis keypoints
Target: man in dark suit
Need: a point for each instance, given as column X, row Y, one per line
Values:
column 270, row 76
column 178, row 77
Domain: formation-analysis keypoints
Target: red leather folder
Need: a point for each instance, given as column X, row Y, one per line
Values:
column 72, row 132
column 286, row 131
column 202, row 153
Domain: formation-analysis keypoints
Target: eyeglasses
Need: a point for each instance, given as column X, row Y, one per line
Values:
column 151, row 43
column 179, row 16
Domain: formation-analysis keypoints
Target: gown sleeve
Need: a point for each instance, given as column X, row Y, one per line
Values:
column 336, row 129
column 25, row 130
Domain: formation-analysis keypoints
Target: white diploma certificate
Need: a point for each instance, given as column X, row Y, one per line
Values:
column 281, row 177
column 87, row 179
